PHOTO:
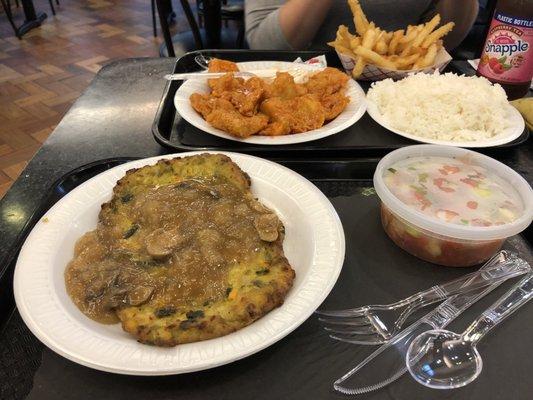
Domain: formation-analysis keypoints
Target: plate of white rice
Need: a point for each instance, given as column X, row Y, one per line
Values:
column 447, row 109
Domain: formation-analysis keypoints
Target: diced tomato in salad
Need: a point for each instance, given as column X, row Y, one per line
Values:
column 434, row 248
column 453, row 191
column 443, row 184
column 471, row 204
column 449, row 169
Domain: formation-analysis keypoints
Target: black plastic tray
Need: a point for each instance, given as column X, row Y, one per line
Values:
column 305, row 363
column 366, row 137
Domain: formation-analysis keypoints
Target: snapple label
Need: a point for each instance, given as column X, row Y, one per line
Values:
column 507, row 56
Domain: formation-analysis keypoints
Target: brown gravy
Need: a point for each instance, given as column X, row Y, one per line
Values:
column 177, row 253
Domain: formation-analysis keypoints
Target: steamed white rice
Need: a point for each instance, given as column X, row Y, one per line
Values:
column 443, row 107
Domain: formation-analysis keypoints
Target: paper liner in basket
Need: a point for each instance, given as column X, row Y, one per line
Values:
column 375, row 73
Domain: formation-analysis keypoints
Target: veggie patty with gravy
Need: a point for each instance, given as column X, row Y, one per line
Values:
column 182, row 252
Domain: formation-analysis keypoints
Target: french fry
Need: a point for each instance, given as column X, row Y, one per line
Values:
column 355, row 42
column 342, row 49
column 359, row 18
column 344, row 36
column 406, row 51
column 369, row 39
column 374, row 57
column 428, row 59
column 406, row 62
column 359, row 67
column 416, row 47
column 437, row 34
column 426, row 30
column 396, row 37
column 380, row 35
column 381, row 46
column 410, row 34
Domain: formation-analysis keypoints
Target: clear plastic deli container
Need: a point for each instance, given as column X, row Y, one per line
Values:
column 449, row 205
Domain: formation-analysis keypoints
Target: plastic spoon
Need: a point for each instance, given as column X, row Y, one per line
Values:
column 441, row 359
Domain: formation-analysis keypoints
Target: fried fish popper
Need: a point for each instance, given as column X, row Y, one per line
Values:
column 182, row 252
column 299, row 114
column 271, row 108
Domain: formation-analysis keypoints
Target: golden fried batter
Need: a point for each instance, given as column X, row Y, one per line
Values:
column 300, row 114
column 237, row 124
column 245, row 95
column 254, row 106
column 246, row 99
column 205, row 104
column 218, row 65
column 226, row 83
column 284, row 86
column 276, row 128
column 328, row 81
column 221, row 113
column 329, row 86
column 334, row 104
column 182, row 252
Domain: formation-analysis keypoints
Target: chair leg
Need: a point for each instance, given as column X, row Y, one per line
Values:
column 154, row 20
column 52, row 7
column 57, row 2
column 163, row 22
column 192, row 23
column 240, row 36
column 7, row 9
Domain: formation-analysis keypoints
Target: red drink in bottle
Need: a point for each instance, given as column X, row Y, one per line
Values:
column 507, row 56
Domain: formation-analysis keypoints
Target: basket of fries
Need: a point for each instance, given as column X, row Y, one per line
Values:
column 374, row 54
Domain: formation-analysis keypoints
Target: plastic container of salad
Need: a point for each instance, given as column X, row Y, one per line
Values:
column 449, row 205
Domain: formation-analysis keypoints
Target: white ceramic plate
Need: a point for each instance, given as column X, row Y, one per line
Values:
column 351, row 114
column 314, row 246
column 514, row 130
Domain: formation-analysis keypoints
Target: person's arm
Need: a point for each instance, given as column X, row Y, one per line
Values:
column 300, row 20
column 464, row 17
column 282, row 24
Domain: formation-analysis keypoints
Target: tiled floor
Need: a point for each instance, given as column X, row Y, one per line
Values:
column 42, row 74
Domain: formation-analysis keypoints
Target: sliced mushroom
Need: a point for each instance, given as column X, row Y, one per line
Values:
column 161, row 242
column 114, row 297
column 139, row 295
column 98, row 281
column 259, row 207
column 267, row 227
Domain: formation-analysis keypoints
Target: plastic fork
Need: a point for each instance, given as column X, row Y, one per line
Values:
column 376, row 324
column 209, row 75
column 202, row 61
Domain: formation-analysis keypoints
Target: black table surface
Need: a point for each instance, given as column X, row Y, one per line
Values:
column 113, row 118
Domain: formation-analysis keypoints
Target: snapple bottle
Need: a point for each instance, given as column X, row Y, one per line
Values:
column 507, row 57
